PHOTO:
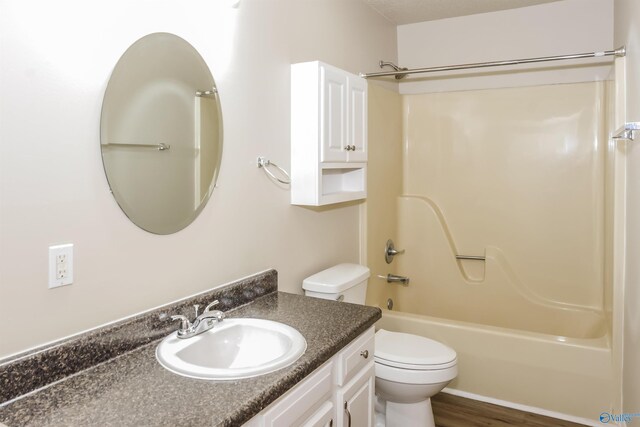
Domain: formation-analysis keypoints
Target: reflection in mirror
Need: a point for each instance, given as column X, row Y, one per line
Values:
column 161, row 133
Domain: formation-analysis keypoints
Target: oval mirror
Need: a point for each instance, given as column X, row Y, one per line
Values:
column 161, row 133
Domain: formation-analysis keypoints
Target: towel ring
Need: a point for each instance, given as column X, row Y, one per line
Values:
column 263, row 163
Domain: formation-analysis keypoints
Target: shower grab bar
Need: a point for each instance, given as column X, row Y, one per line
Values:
column 621, row 51
column 472, row 257
column 627, row 131
column 160, row 147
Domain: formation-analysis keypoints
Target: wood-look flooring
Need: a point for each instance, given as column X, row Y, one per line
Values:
column 456, row 411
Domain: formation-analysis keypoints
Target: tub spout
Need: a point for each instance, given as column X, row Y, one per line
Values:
column 394, row 278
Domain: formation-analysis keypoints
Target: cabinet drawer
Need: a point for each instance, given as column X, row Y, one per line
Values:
column 301, row 402
column 355, row 356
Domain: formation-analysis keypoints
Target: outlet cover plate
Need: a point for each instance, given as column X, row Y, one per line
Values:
column 60, row 265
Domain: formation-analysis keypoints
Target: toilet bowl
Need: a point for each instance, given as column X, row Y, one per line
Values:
column 409, row 368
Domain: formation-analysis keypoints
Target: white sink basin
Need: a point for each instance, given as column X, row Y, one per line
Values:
column 233, row 349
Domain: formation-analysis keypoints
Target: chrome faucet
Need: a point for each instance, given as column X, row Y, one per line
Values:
column 202, row 323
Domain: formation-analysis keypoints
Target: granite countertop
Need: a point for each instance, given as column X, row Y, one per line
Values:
column 132, row 389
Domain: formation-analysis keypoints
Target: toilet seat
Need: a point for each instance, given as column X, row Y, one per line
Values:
column 417, row 377
column 412, row 352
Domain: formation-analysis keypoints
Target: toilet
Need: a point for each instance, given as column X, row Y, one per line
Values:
column 409, row 368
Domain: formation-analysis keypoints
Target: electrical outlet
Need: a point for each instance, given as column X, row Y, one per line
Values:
column 60, row 265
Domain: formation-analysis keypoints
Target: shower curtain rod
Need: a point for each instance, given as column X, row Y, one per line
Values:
column 402, row 72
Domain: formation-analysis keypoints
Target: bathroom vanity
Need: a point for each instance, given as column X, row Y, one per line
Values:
column 110, row 376
column 340, row 393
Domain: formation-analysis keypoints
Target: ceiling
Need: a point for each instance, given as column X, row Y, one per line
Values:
column 403, row 12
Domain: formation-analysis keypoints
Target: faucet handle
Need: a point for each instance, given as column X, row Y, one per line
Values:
column 184, row 322
column 390, row 251
column 213, row 304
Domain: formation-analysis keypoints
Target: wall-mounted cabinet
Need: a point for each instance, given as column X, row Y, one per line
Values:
column 328, row 135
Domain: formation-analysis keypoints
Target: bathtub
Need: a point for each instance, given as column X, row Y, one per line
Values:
column 564, row 377
column 537, row 345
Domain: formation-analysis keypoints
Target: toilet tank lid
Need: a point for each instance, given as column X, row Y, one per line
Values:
column 336, row 279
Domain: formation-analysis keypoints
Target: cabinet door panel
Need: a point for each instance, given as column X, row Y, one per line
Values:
column 334, row 116
column 357, row 119
column 322, row 418
column 359, row 406
column 356, row 399
column 296, row 405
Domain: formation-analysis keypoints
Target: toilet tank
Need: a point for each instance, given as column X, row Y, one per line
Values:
column 343, row 282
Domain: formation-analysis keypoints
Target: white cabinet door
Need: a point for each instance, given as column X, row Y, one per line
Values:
column 357, row 124
column 322, row 418
column 301, row 403
column 333, row 101
column 355, row 400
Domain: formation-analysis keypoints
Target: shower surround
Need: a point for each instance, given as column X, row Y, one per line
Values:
column 517, row 177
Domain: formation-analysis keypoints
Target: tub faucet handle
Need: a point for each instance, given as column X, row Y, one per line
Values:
column 390, row 251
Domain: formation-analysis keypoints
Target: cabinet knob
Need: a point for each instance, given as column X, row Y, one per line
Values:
column 364, row 353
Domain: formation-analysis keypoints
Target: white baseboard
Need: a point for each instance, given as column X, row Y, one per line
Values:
column 532, row 409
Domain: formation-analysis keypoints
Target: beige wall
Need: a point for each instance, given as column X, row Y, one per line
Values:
column 56, row 60
column 384, row 183
column 557, row 28
column 627, row 32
